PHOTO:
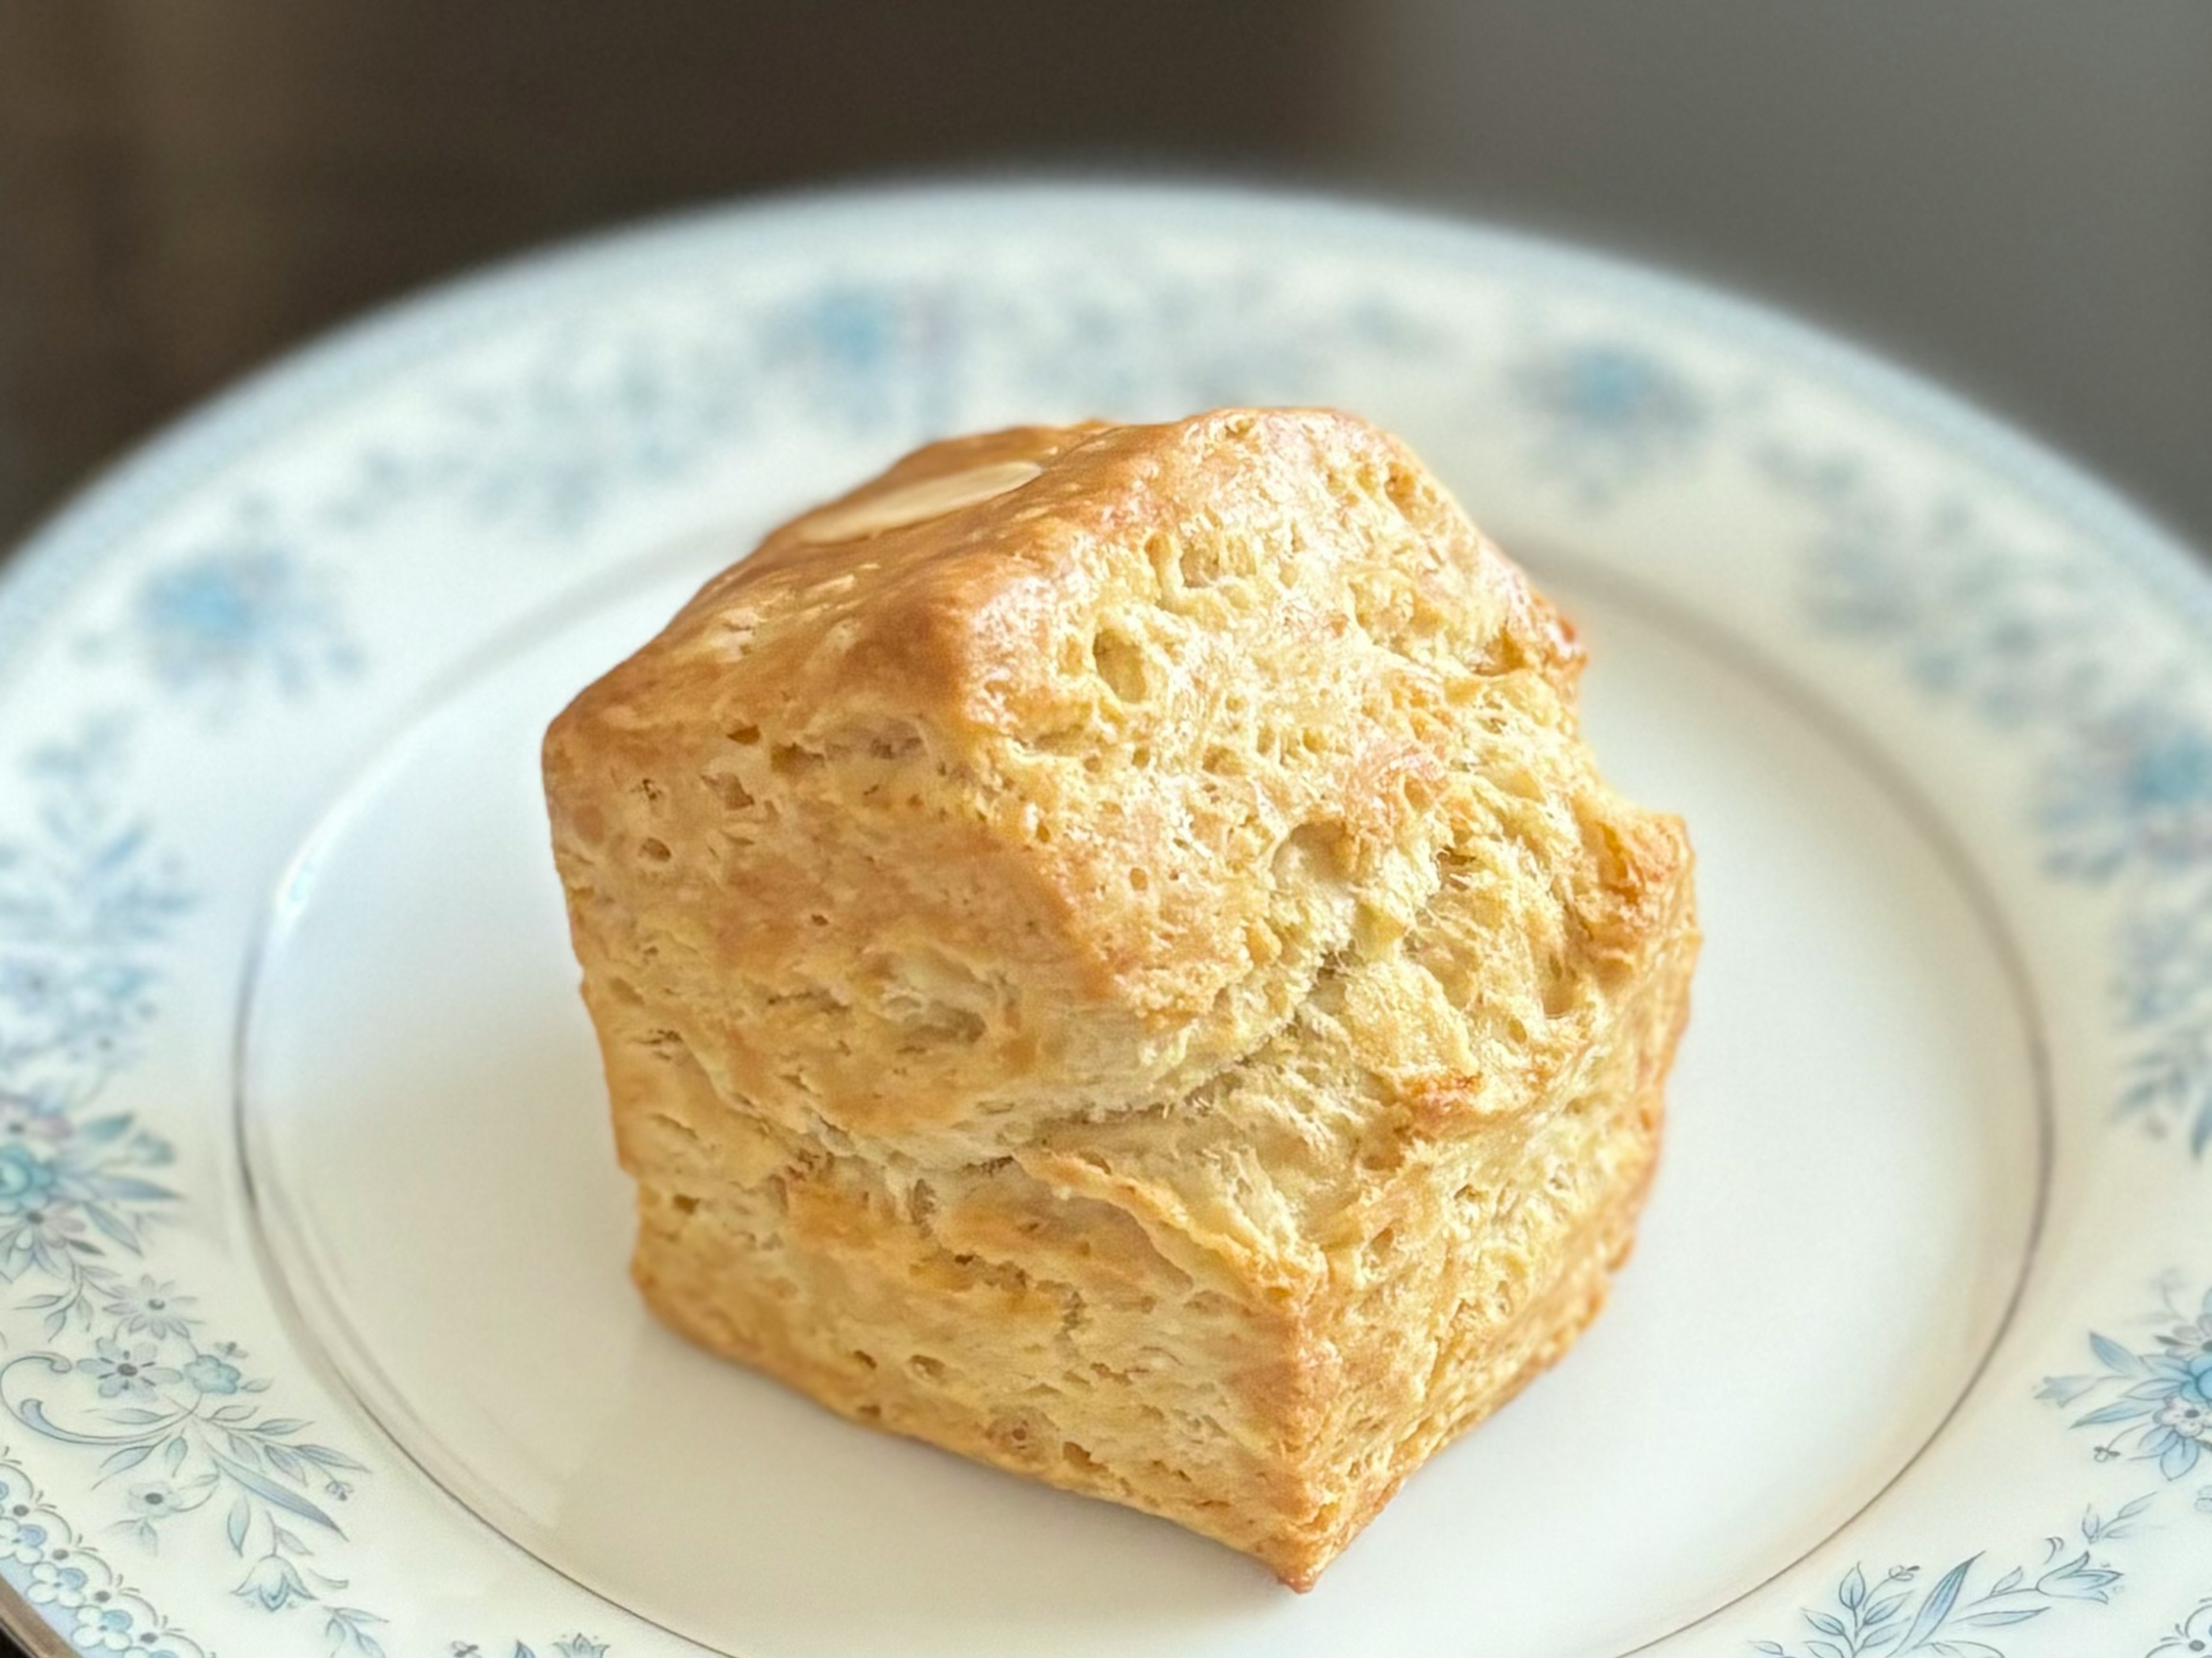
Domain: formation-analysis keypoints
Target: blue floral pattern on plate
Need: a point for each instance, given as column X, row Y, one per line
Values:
column 173, row 1415
column 1608, row 414
column 2155, row 1398
column 2033, row 643
column 227, row 615
column 572, row 1646
column 2193, row 1634
column 1957, row 1615
column 71, row 1583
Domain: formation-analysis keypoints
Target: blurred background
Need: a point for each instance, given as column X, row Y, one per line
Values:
column 2014, row 195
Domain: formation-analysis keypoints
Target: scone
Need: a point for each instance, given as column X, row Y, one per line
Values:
column 1112, row 957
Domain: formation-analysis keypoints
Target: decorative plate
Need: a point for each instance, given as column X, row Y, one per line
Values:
column 317, row 1335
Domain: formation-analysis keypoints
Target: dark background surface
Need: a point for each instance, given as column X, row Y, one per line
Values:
column 2014, row 195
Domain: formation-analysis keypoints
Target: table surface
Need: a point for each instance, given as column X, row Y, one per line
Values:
column 2014, row 196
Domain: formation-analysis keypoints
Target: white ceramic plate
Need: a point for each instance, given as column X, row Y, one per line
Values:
column 318, row 1337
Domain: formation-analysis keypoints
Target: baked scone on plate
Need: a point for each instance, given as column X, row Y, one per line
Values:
column 1112, row 957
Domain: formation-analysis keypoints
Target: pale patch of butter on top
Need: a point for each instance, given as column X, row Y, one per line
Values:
column 916, row 502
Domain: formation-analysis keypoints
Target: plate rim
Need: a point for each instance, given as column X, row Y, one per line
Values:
column 206, row 436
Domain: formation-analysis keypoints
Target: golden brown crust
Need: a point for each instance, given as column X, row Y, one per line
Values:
column 1131, row 976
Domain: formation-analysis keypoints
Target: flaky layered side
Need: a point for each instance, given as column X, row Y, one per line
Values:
column 1130, row 975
